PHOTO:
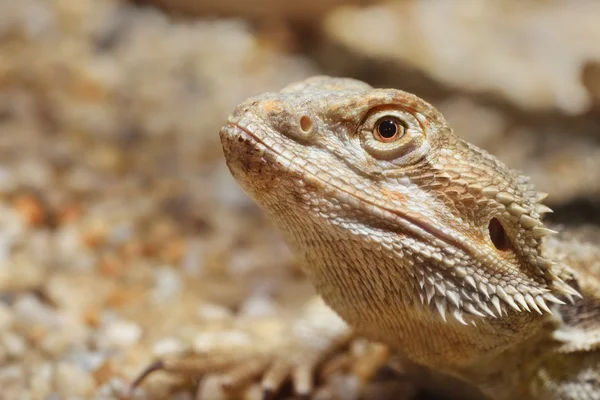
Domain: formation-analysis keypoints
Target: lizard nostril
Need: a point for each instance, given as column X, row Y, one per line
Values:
column 498, row 235
column 306, row 124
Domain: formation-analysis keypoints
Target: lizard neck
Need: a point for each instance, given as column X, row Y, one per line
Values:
column 376, row 297
column 500, row 357
column 411, row 328
column 513, row 372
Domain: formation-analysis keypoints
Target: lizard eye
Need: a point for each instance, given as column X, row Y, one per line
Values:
column 389, row 129
column 498, row 235
column 393, row 135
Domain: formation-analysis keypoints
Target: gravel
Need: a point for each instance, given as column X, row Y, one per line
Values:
column 123, row 237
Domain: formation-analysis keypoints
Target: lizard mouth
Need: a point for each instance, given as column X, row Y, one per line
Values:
column 409, row 224
column 235, row 130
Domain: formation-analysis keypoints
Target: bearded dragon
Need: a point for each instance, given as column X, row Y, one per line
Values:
column 419, row 240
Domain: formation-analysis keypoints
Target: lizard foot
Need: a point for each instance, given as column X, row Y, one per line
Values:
column 314, row 346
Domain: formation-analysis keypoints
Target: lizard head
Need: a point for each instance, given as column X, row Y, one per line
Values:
column 391, row 211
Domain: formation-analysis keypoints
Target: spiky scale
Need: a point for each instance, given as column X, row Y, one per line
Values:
column 574, row 292
column 443, row 176
column 461, row 272
column 507, row 299
column 453, row 297
column 476, row 187
column 540, row 302
column 543, row 209
column 541, row 196
column 448, row 262
column 527, row 222
column 540, row 232
column 483, row 290
column 510, row 290
column 429, row 277
column 430, row 291
column 497, row 305
column 505, row 198
column 487, row 310
column 567, row 290
column 553, row 299
column 471, row 308
column 535, row 291
column 471, row 281
column 440, row 304
column 544, row 263
column 466, row 294
column 459, row 316
column 490, row 191
column 440, row 288
column 520, row 299
column 516, row 210
column 569, row 297
column 531, row 301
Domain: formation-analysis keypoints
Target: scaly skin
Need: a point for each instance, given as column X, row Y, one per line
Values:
column 419, row 239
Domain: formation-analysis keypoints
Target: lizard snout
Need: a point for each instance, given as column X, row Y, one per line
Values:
column 297, row 123
column 290, row 119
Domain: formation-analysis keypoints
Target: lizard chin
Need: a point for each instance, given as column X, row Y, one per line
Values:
column 255, row 166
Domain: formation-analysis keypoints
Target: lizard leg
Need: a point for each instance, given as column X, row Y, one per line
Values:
column 312, row 344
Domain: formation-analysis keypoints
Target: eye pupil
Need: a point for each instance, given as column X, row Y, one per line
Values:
column 387, row 128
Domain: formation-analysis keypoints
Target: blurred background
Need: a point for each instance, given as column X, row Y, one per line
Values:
column 122, row 235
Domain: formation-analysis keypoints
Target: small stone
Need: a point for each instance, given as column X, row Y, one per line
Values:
column 167, row 284
column 112, row 386
column 204, row 342
column 242, row 262
column 211, row 388
column 13, row 344
column 88, row 360
column 207, row 341
column 120, row 334
column 167, row 347
column 213, row 312
column 5, row 248
column 21, row 272
column 95, row 233
column 31, row 312
column 55, row 343
column 3, row 355
column 7, row 181
column 104, row 372
column 174, row 250
column 30, row 209
column 41, row 381
column 12, row 380
column 32, row 172
column 192, row 263
column 120, row 234
column 6, row 317
column 72, row 381
column 258, row 306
